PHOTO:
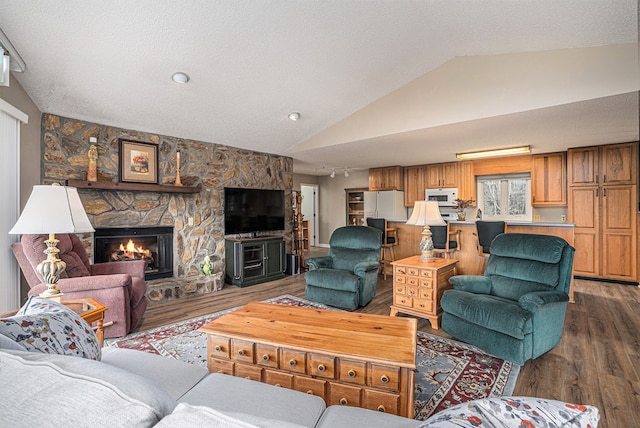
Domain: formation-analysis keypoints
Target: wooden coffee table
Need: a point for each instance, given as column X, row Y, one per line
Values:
column 346, row 358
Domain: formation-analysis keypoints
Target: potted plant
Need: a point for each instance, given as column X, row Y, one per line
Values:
column 461, row 206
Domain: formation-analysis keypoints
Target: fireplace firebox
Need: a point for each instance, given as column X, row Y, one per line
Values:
column 151, row 244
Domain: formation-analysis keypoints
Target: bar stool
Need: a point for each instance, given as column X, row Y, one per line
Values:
column 445, row 241
column 389, row 242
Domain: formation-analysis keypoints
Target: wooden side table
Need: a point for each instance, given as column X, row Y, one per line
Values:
column 418, row 287
column 88, row 309
column 91, row 311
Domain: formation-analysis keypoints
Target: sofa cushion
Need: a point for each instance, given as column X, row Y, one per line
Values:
column 57, row 390
column 43, row 325
column 8, row 343
column 515, row 412
column 188, row 416
column 235, row 396
column 347, row 416
column 491, row 312
column 173, row 376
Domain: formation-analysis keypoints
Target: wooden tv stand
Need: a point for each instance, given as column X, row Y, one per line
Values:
column 346, row 358
column 251, row 261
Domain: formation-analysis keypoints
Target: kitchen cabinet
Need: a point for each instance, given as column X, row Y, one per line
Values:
column 549, row 179
column 386, row 178
column 466, row 181
column 602, row 204
column 442, row 175
column 414, row 184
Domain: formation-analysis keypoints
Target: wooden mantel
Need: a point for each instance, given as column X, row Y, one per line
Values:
column 136, row 187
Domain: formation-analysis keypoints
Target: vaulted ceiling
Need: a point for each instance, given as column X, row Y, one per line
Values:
column 376, row 82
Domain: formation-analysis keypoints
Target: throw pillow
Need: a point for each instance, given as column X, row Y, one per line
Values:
column 43, row 325
column 515, row 412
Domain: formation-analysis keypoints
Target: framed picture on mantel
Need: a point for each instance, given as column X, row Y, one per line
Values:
column 138, row 162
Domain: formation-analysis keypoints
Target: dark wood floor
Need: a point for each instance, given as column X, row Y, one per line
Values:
column 597, row 361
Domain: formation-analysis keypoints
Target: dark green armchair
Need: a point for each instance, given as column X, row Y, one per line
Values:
column 347, row 278
column 516, row 310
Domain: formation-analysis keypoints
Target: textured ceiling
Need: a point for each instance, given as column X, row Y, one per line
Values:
column 377, row 82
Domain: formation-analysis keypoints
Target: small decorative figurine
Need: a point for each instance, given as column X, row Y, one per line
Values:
column 178, row 182
column 92, row 173
column 206, row 267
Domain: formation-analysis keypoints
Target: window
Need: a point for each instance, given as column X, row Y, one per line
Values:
column 505, row 197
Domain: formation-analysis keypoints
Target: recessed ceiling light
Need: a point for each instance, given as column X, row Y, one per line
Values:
column 294, row 116
column 180, row 77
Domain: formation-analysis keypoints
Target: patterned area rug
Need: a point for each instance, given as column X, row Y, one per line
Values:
column 449, row 372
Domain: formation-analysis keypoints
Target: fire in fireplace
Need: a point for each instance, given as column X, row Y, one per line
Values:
column 151, row 244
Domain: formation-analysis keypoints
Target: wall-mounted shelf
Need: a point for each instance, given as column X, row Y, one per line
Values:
column 136, row 187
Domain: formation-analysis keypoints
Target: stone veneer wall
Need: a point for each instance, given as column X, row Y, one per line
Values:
column 65, row 143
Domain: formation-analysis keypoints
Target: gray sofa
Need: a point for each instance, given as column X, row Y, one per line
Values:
column 53, row 373
column 130, row 388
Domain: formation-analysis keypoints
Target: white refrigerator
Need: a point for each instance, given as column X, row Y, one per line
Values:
column 388, row 204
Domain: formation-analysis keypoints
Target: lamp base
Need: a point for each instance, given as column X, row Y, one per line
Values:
column 48, row 294
column 51, row 268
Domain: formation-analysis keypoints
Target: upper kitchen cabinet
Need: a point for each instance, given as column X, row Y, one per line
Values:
column 386, row 178
column 602, row 165
column 442, row 175
column 549, row 179
column 466, row 181
column 414, row 184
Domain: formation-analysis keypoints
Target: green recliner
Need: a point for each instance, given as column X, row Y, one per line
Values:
column 516, row 310
column 347, row 278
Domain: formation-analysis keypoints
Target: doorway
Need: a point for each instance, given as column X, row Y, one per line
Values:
column 310, row 210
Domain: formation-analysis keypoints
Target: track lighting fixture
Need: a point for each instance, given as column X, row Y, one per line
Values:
column 333, row 174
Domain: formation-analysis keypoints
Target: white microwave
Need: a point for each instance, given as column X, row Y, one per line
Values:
column 445, row 197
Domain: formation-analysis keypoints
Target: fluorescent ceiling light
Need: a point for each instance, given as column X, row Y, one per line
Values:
column 495, row 152
column 17, row 63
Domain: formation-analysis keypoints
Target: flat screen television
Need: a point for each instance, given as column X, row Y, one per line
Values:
column 253, row 210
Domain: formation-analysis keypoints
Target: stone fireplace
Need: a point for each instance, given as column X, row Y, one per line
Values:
column 151, row 244
column 196, row 218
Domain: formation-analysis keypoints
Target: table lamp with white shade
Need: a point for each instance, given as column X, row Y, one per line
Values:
column 426, row 213
column 50, row 210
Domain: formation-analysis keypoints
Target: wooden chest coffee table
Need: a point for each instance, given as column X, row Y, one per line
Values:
column 346, row 358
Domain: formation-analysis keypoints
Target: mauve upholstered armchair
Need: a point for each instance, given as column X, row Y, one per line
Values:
column 515, row 310
column 348, row 277
column 118, row 285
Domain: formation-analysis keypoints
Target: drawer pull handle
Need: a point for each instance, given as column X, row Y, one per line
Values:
column 381, row 408
column 248, row 377
column 265, row 357
column 384, row 379
column 352, row 373
column 241, row 352
column 221, row 371
column 292, row 363
column 278, row 385
column 218, row 348
column 343, row 401
column 310, row 392
column 321, row 368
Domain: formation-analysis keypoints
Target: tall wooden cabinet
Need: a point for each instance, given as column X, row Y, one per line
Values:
column 603, row 204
